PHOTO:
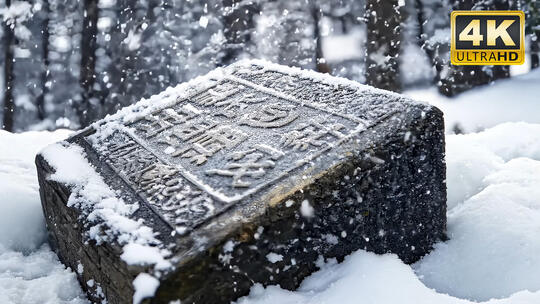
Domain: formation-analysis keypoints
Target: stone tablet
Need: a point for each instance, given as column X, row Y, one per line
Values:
column 251, row 174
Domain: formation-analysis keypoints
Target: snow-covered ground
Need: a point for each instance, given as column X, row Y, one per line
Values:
column 29, row 271
column 514, row 99
column 493, row 219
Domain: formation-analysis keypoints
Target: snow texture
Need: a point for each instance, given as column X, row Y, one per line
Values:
column 136, row 254
column 14, row 16
column 306, row 209
column 506, row 100
column 30, row 272
column 18, row 11
column 274, row 257
column 338, row 48
column 108, row 217
column 415, row 67
column 145, row 287
column 96, row 201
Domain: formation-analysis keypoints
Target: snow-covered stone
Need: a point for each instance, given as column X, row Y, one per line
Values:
column 267, row 158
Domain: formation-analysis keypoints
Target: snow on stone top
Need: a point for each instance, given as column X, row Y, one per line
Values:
column 245, row 69
column 107, row 217
column 246, row 66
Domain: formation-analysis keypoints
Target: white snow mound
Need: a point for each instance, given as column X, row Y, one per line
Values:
column 30, row 272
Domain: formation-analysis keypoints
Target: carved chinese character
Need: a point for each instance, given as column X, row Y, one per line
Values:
column 118, row 150
column 184, row 205
column 163, row 120
column 248, row 164
column 270, row 116
column 209, row 143
column 188, row 131
column 216, row 94
column 164, row 187
column 129, row 158
column 178, row 136
column 154, row 178
column 190, row 206
column 234, row 107
column 313, row 134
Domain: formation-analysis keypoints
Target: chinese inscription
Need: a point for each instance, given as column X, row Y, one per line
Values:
column 202, row 154
column 181, row 204
column 312, row 134
column 250, row 163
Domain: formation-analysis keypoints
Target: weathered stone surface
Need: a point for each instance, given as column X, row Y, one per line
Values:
column 250, row 176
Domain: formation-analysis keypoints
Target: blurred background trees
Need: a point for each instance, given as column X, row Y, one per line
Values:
column 66, row 63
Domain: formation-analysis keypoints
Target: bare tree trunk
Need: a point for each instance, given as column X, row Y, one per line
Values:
column 535, row 50
column 419, row 6
column 88, row 59
column 322, row 66
column 238, row 25
column 9, row 104
column 421, row 40
column 40, row 102
column 383, row 44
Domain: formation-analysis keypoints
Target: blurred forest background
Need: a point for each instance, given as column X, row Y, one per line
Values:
column 66, row 63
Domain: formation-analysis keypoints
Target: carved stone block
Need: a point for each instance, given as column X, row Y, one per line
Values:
column 252, row 175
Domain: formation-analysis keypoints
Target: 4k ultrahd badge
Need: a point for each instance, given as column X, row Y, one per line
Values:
column 487, row 37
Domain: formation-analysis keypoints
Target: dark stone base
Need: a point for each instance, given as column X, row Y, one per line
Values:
column 101, row 264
